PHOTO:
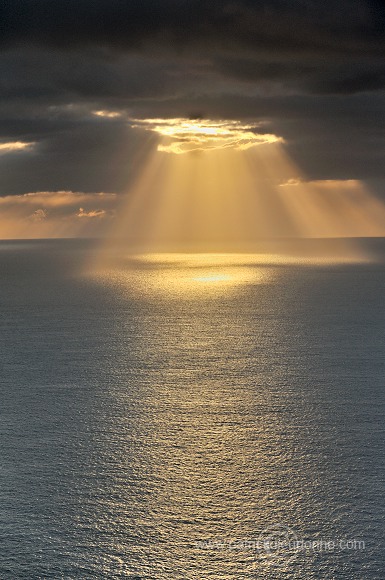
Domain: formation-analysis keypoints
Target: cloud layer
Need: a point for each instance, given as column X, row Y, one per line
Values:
column 310, row 72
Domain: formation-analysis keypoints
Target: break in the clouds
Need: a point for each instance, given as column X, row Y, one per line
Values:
column 309, row 72
column 185, row 135
column 282, row 26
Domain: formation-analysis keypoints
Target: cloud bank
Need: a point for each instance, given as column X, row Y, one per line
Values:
column 56, row 214
column 310, row 72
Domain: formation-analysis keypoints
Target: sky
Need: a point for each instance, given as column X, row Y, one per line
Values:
column 78, row 79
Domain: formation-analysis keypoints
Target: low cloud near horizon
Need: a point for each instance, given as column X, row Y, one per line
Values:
column 347, row 209
column 56, row 214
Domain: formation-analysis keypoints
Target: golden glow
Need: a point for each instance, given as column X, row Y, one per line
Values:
column 212, row 278
column 11, row 146
column 198, row 276
column 56, row 214
column 226, row 200
column 192, row 275
column 184, row 135
column 333, row 208
column 107, row 114
column 222, row 195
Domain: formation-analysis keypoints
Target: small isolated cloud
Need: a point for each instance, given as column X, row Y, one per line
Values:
column 291, row 182
column 184, row 135
column 107, row 114
column 349, row 185
column 39, row 215
column 95, row 213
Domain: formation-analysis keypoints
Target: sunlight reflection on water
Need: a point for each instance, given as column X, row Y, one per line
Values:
column 201, row 274
column 187, row 274
column 179, row 399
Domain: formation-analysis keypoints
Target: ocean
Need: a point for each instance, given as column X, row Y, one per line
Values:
column 190, row 416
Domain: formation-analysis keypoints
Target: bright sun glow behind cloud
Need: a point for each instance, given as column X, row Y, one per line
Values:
column 181, row 135
column 184, row 135
column 11, row 146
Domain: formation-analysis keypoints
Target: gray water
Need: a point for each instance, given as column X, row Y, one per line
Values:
column 158, row 425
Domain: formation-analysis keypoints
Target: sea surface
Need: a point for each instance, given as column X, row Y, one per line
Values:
column 191, row 416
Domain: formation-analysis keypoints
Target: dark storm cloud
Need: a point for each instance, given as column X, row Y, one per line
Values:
column 329, row 46
column 93, row 49
column 37, row 74
column 337, row 26
column 313, row 76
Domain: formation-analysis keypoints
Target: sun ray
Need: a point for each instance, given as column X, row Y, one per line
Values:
column 237, row 187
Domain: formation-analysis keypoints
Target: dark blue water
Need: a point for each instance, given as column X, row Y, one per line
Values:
column 186, row 418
